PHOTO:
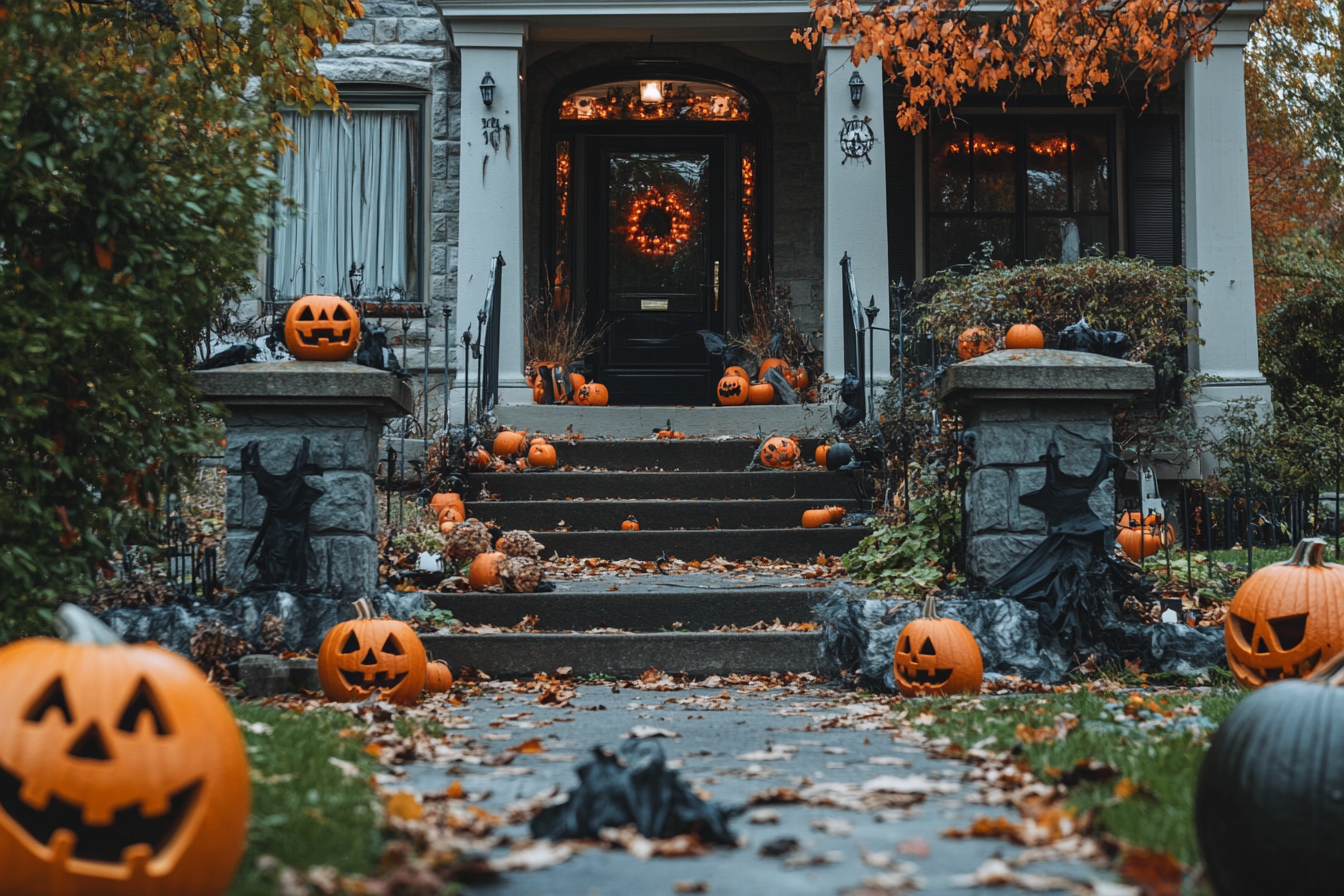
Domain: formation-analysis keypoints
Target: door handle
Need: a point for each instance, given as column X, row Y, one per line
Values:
column 716, row 286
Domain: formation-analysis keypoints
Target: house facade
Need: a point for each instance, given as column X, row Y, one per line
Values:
column 643, row 163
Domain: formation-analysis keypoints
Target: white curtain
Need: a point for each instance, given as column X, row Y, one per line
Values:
column 355, row 182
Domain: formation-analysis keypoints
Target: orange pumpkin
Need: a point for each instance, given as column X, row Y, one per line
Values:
column 364, row 654
column 438, row 677
column 484, row 571
column 937, row 657
column 321, row 328
column 508, row 442
column 480, row 459
column 974, row 342
column 592, row 395
column 538, row 393
column 814, row 518
column 779, row 451
column 770, row 364
column 1287, row 618
column 576, row 382
column 1024, row 336
column 761, row 393
column 1139, row 542
column 450, row 515
column 800, row 379
column 448, row 499
column 446, row 526
column 820, row 455
column 123, row 771
column 733, row 390
column 736, row 371
column 540, row 454
column 837, row 513
column 630, row 525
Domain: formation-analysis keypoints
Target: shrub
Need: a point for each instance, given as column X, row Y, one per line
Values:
column 1302, row 345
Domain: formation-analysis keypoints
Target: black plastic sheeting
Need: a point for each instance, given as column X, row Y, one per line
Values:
column 632, row 786
column 859, row 638
column 305, row 618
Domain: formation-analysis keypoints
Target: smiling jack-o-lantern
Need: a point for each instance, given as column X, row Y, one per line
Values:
column 936, row 656
column 1286, row 618
column 364, row 654
column 122, row 771
column 322, row 328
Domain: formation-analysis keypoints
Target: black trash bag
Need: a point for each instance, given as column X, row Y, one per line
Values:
column 1082, row 338
column 722, row 351
column 784, row 393
column 851, row 393
column 374, row 351
column 239, row 353
column 632, row 786
column 283, row 551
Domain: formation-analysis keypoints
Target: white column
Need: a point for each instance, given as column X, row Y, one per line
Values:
column 490, row 180
column 855, row 209
column 1218, row 219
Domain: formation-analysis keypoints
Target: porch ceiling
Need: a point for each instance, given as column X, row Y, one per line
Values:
column 622, row 20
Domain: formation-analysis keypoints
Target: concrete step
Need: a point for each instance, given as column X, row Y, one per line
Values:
column 584, row 516
column 545, row 485
column 682, row 455
column 636, row 422
column 793, row 545
column 688, row 608
column 627, row 656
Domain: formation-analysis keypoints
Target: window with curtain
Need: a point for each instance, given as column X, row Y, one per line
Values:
column 1031, row 187
column 355, row 186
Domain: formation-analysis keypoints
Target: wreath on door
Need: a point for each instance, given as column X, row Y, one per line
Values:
column 658, row 223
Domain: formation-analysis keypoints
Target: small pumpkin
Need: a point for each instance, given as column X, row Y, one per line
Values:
column 448, row 499
column 1140, row 542
column 446, row 526
column 480, row 459
column 820, row 455
column 839, row 454
column 733, row 390
column 1286, row 618
column 363, row 654
column 592, row 395
column 124, row 772
column 508, row 442
column 450, row 515
column 1024, row 336
column 540, row 454
column 576, row 382
column 800, row 378
column 779, row 451
column 973, row 343
column 837, row 513
column 736, row 371
column 761, row 393
column 484, row 570
column 937, row 656
column 438, row 677
column 538, row 393
column 667, row 434
column 769, row 364
column 814, row 518
column 1268, row 797
column 321, row 328
column 630, row 525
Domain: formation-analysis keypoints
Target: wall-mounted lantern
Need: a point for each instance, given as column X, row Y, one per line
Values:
column 855, row 89
column 487, row 89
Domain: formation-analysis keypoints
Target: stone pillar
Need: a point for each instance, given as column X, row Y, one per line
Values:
column 1218, row 219
column 490, row 178
column 855, row 209
column 340, row 408
column 1013, row 404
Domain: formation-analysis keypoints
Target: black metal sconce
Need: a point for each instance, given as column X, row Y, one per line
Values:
column 855, row 89
column 487, row 90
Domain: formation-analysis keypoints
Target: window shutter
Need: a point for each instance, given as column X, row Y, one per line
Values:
column 900, row 203
column 1155, row 188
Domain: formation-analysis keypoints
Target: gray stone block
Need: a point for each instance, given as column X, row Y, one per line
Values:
column 349, row 505
column 440, row 169
column 391, row 8
column 279, row 446
column 438, row 229
column 987, row 498
column 1023, row 519
column 994, row 555
column 360, row 31
column 263, row 675
column 1023, row 441
column 384, row 71
column 1044, row 373
column 385, row 31
column 237, row 542
column 413, row 52
column 303, row 674
column 349, row 565
column 424, row 31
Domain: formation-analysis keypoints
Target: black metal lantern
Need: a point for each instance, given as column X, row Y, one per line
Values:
column 487, row 89
column 855, row 89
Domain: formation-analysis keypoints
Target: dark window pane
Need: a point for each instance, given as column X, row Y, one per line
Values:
column 952, row 241
column 995, row 169
column 949, row 170
column 1048, row 170
column 1066, row 239
column 1091, row 168
column 656, row 228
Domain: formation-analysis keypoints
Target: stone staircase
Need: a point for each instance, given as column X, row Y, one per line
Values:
column 693, row 501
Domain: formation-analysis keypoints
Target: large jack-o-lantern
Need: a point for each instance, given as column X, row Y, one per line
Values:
column 122, row 771
column 1286, row 618
column 936, row 657
column 322, row 328
column 364, row 654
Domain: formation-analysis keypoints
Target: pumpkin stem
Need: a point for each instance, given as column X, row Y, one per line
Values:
column 930, row 607
column 1309, row 552
column 78, row 626
column 363, row 609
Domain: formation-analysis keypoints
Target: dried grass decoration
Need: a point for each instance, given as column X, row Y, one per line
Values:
column 557, row 335
column 769, row 333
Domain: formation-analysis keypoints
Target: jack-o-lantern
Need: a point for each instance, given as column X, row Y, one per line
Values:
column 736, row 371
column 937, row 656
column 761, row 393
column 322, row 328
column 798, row 378
column 733, row 390
column 1024, row 336
column 540, row 454
column 508, row 442
column 770, row 364
column 364, row 653
column 438, row 677
column 779, row 451
column 973, row 343
column 122, row 771
column 814, row 518
column 592, row 395
column 1286, row 618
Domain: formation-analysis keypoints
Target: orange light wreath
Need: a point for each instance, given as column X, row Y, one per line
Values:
column 663, row 237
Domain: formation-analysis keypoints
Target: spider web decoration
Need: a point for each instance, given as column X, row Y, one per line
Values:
column 658, row 223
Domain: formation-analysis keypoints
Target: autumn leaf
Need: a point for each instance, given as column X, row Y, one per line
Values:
column 1156, row 873
column 403, row 805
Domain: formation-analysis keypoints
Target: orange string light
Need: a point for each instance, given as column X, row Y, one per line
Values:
column 679, row 220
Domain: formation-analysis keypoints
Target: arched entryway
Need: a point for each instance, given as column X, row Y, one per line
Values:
column 654, row 219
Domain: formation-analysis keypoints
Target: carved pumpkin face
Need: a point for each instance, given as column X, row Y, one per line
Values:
column 322, row 328
column 973, row 343
column 936, row 656
column 122, row 770
column 366, row 653
column 733, row 390
column 779, row 452
column 593, row 395
column 1286, row 618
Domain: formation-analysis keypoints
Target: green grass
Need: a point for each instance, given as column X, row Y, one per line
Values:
column 1162, row 762
column 305, row 811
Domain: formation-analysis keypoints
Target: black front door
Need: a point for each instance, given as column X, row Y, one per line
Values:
column 658, row 269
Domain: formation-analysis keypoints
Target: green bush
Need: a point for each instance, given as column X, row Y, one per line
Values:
column 1302, row 345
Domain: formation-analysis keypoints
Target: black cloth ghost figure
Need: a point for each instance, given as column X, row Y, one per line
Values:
column 721, row 350
column 851, row 393
column 374, row 352
column 241, row 353
column 283, row 551
column 1070, row 579
column 1082, row 338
